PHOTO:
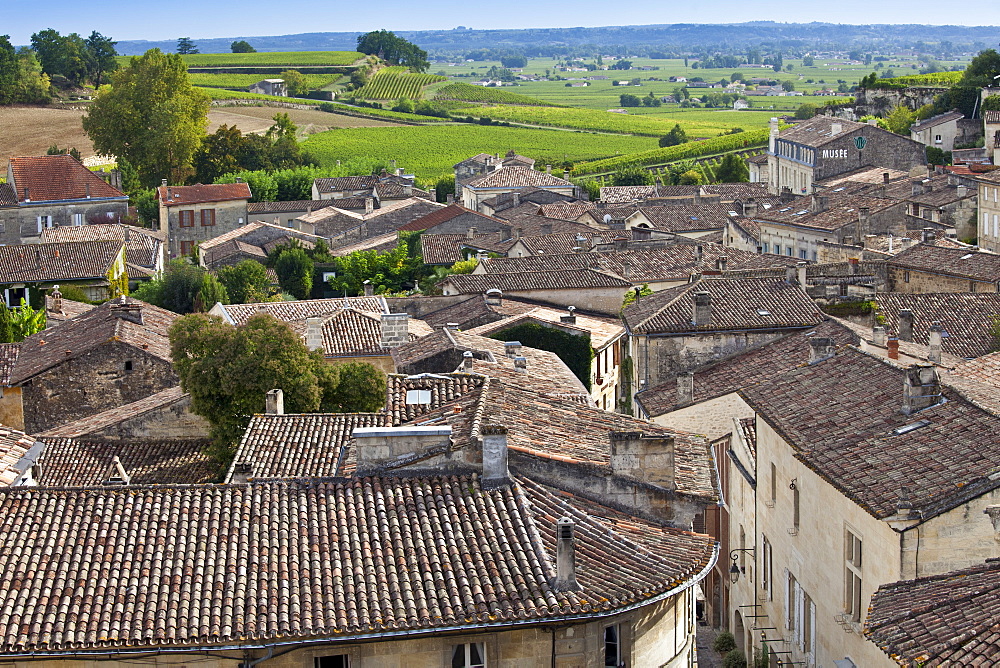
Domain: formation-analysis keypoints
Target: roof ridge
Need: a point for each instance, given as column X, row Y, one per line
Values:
column 680, row 293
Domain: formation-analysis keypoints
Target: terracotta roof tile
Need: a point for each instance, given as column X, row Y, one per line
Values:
column 14, row 455
column 818, row 130
column 961, row 262
column 344, row 183
column 198, row 194
column 441, row 390
column 7, row 195
column 968, row 318
column 443, row 215
column 238, row 314
column 517, row 177
column 8, row 356
column 942, row 620
column 535, row 280
column 71, row 462
column 358, row 550
column 28, row 263
column 448, row 248
column 566, row 210
column 142, row 245
column 50, row 178
column 262, row 208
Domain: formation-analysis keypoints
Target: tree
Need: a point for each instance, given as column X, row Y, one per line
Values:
column 899, row 121
column 212, row 292
column 186, row 46
column 629, row 100
column 808, row 61
column 806, row 111
column 991, row 103
column 242, row 46
column 294, row 269
column 246, row 282
column 691, row 178
column 102, row 54
column 19, row 323
column 296, row 82
column 632, row 176
column 359, row 388
column 396, row 50
column 151, row 115
column 514, row 60
column 178, row 290
column 982, row 69
column 405, row 105
column 787, row 86
column 8, row 71
column 732, row 169
column 674, row 137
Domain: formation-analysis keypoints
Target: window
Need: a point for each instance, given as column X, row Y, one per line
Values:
column 795, row 508
column 469, row 655
column 185, row 218
column 996, row 224
column 187, row 247
column 335, row 661
column 852, row 576
column 774, row 485
column 906, row 277
column 77, row 219
column 44, row 222
column 791, row 589
column 937, row 139
column 13, row 296
column 788, row 251
column 207, row 217
column 803, row 254
column 612, row 647
column 766, row 567
column 765, row 248
column 128, row 365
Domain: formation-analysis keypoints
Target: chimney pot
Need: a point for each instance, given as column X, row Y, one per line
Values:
column 800, row 274
column 570, row 316
column 702, row 309
column 495, row 471
column 274, row 402
column 369, row 205
column 893, row 348
column 369, row 288
column 521, row 364
column 395, row 329
column 467, row 361
column 565, row 556
column 449, row 198
column 905, row 325
column 821, row 348
column 494, row 297
column 878, row 336
column 163, row 183
column 470, row 233
column 685, row 387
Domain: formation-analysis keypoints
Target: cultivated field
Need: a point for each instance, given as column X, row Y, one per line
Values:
column 32, row 130
column 258, row 119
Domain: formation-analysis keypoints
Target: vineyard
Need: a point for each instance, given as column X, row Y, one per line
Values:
column 314, row 81
column 392, row 83
column 463, row 92
column 692, row 149
column 273, row 59
column 601, row 121
column 261, row 100
column 431, row 151
column 936, row 79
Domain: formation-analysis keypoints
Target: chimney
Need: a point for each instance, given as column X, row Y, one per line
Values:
column 163, row 183
column 927, row 235
column 878, row 336
column 433, row 194
column 407, row 189
column 548, row 169
column 800, row 274
column 917, row 187
column 470, row 233
column 314, row 333
column 720, row 262
column 821, row 348
column 698, row 252
column 773, row 134
column 570, row 317
column 241, row 473
column 27, row 195
column 921, row 388
column 871, row 239
column 381, row 448
column 494, row 297
column 702, row 309
column 87, row 190
column 239, row 179
column 892, row 346
column 818, row 203
column 565, row 556
column 854, row 264
column 906, row 325
column 449, row 198
column 685, row 387
column 369, row 288
column 495, row 471
column 963, row 191
column 57, row 302
column 934, row 336
column 467, row 361
column 546, row 228
column 864, row 223
column 512, row 349
column 369, row 205
column 885, row 178
column 516, row 233
column 395, row 329
column 274, row 402
column 836, row 129
column 646, row 458
column 521, row 364
column 626, row 271
column 750, row 208
column 620, row 243
column 126, row 310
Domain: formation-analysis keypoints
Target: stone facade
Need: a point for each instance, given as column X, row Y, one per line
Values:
column 207, row 220
column 915, row 281
column 24, row 222
column 803, row 242
column 11, row 407
column 989, row 213
column 110, row 375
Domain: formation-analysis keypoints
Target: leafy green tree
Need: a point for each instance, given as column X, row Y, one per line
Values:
column 806, row 111
column 8, row 71
column 573, row 349
column 632, row 176
column 178, row 290
column 151, row 115
column 33, row 85
column 186, row 46
column 445, row 186
column 212, row 292
column 295, row 272
column 242, row 46
column 20, row 323
column 651, row 100
column 360, row 388
column 982, row 69
column 733, row 169
column 396, row 50
column 631, row 296
column 101, row 57
column 691, row 178
column 405, row 105
column 674, row 137
column 787, row 86
column 629, row 100
column 246, row 282
column 296, row 82
column 898, row 121
column 936, row 156
column 6, row 327
column 991, row 103
column 515, row 60
column 808, row 61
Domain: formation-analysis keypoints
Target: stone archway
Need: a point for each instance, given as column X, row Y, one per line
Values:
column 739, row 632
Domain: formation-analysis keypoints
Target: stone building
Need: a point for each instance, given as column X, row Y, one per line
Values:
column 938, row 131
column 509, row 179
column 988, row 215
column 270, row 87
column 109, row 356
column 587, row 289
column 42, row 192
column 96, row 267
column 926, row 267
column 991, row 127
column 192, row 214
column 824, row 146
column 145, row 249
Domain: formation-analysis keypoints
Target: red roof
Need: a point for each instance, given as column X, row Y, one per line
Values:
column 50, row 178
column 441, row 215
column 197, row 194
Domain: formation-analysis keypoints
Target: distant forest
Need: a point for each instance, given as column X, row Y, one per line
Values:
column 651, row 40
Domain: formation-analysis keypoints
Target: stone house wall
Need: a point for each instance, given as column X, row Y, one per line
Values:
column 91, row 383
column 914, row 281
column 228, row 216
column 11, row 407
column 989, row 216
column 171, row 422
column 19, row 224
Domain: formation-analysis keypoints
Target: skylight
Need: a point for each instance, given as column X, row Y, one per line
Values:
column 761, row 311
column 913, row 426
column 966, row 257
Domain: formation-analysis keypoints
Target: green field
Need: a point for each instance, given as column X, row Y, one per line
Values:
column 463, row 92
column 392, row 83
column 431, row 151
column 269, row 59
column 315, row 81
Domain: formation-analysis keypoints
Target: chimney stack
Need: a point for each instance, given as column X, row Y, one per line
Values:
column 467, row 361
column 565, row 556
column 878, row 336
column 620, row 243
column 921, row 388
column 821, row 348
column 934, row 336
column 773, row 135
column 369, row 288
column 720, row 262
column 395, row 329
column 927, row 235
column 494, row 297
column 892, row 346
column 369, row 205
column 570, row 317
column 241, row 473
column 685, row 387
column 57, row 302
column 750, row 208
column 863, row 224
column 314, row 333
column 699, row 251
column 512, row 349
column 163, row 183
column 433, row 194
column 906, row 325
column 548, row 169
column 449, row 198
column 521, row 364
column 702, row 309
column 963, row 191
column 800, row 274
column 470, row 233
column 495, row 471
column 274, row 402
column 379, row 448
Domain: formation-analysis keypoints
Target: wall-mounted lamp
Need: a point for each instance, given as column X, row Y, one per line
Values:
column 791, row 485
column 735, row 570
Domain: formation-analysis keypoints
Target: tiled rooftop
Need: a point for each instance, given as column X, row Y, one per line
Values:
column 842, row 418
column 199, row 194
column 517, row 177
column 841, row 209
column 50, row 178
column 112, row 416
column 14, row 445
column 535, row 280
column 449, row 248
column 961, row 262
column 967, row 318
column 8, row 355
column 443, row 388
column 361, row 552
column 29, row 263
column 737, row 304
column 142, row 245
column 942, row 620
column 72, row 462
column 819, row 130
column 305, row 308
column 443, row 215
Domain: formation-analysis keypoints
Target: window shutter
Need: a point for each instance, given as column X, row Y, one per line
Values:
column 788, row 592
column 811, row 656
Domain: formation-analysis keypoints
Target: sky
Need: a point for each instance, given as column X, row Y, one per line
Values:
column 245, row 18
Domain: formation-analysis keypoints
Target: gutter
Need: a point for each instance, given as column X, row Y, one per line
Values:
column 478, row 628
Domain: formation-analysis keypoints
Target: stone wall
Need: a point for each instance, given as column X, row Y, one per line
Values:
column 228, row 216
column 712, row 418
column 20, row 224
column 91, row 383
column 606, row 301
column 11, row 408
column 918, row 282
column 174, row 421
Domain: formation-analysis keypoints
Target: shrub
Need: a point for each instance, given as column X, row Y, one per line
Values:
column 735, row 659
column 725, row 642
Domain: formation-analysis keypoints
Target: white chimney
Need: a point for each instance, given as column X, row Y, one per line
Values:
column 314, row 333
column 565, row 555
column 274, row 402
column 512, row 349
column 934, row 337
column 521, row 364
column 467, row 361
column 495, row 471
